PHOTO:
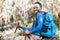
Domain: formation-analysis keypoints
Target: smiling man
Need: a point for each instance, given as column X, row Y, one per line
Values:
column 38, row 20
column 43, row 24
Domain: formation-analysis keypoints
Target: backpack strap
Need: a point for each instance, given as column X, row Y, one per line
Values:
column 45, row 16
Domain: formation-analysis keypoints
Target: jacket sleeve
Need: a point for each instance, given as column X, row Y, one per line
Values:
column 40, row 22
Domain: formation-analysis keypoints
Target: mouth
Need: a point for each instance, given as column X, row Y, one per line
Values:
column 35, row 10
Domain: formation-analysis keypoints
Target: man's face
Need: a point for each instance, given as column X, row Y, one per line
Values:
column 36, row 8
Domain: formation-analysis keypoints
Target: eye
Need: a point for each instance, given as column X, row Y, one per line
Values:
column 35, row 7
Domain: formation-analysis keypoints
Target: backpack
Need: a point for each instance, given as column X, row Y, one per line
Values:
column 49, row 27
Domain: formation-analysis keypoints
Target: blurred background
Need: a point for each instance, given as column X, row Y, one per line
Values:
column 14, row 11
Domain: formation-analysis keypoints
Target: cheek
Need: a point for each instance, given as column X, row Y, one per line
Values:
column 40, row 9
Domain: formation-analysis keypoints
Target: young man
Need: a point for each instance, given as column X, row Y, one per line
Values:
column 38, row 21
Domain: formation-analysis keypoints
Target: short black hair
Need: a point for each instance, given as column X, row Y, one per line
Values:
column 38, row 4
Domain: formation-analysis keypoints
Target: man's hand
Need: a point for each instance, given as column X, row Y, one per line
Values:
column 27, row 32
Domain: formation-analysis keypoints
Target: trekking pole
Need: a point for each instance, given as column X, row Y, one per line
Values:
column 18, row 27
column 27, row 36
column 15, row 30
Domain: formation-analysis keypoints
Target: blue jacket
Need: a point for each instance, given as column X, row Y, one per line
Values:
column 37, row 24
